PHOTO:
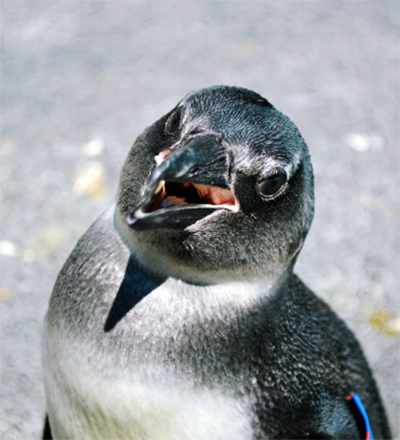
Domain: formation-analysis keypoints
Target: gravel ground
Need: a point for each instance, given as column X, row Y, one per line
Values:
column 80, row 80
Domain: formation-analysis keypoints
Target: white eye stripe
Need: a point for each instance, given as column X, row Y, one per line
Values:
column 291, row 168
column 245, row 160
column 288, row 168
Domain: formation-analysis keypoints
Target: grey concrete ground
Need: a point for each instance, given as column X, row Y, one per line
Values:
column 80, row 80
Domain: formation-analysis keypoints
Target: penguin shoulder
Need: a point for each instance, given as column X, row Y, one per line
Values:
column 90, row 276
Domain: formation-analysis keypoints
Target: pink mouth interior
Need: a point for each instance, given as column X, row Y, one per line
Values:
column 175, row 193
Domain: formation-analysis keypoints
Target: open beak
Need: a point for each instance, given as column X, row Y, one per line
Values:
column 188, row 183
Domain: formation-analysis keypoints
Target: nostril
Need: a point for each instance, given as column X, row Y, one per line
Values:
column 195, row 131
column 194, row 170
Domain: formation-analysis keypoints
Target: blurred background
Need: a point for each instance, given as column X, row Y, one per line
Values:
column 80, row 81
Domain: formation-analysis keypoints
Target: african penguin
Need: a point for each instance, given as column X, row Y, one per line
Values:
column 178, row 315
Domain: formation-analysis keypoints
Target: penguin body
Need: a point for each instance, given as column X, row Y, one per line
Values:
column 178, row 316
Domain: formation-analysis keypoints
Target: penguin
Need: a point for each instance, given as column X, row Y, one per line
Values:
column 178, row 314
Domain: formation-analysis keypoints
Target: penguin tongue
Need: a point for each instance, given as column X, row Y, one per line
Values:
column 172, row 201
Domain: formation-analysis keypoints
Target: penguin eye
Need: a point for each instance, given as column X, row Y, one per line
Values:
column 173, row 122
column 273, row 184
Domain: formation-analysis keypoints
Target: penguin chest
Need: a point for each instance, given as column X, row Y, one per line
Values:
column 121, row 384
column 86, row 406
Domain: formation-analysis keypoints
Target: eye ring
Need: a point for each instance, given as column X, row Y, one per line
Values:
column 173, row 122
column 273, row 185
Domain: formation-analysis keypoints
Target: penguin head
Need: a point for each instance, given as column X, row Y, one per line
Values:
column 218, row 190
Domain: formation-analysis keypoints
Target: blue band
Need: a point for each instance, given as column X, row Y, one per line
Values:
column 360, row 406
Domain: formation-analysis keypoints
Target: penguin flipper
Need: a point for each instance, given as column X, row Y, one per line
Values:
column 47, row 435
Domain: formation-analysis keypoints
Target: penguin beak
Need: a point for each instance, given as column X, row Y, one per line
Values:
column 189, row 183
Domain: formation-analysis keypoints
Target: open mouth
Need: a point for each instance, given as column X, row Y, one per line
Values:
column 169, row 194
column 187, row 185
column 177, row 205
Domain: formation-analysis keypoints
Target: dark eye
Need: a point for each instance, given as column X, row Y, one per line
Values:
column 173, row 122
column 273, row 184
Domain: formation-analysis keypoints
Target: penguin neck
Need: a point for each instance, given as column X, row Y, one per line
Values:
column 228, row 296
column 163, row 266
column 236, row 294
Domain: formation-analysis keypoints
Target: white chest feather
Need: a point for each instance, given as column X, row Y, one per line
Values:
column 83, row 406
column 138, row 399
column 132, row 394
